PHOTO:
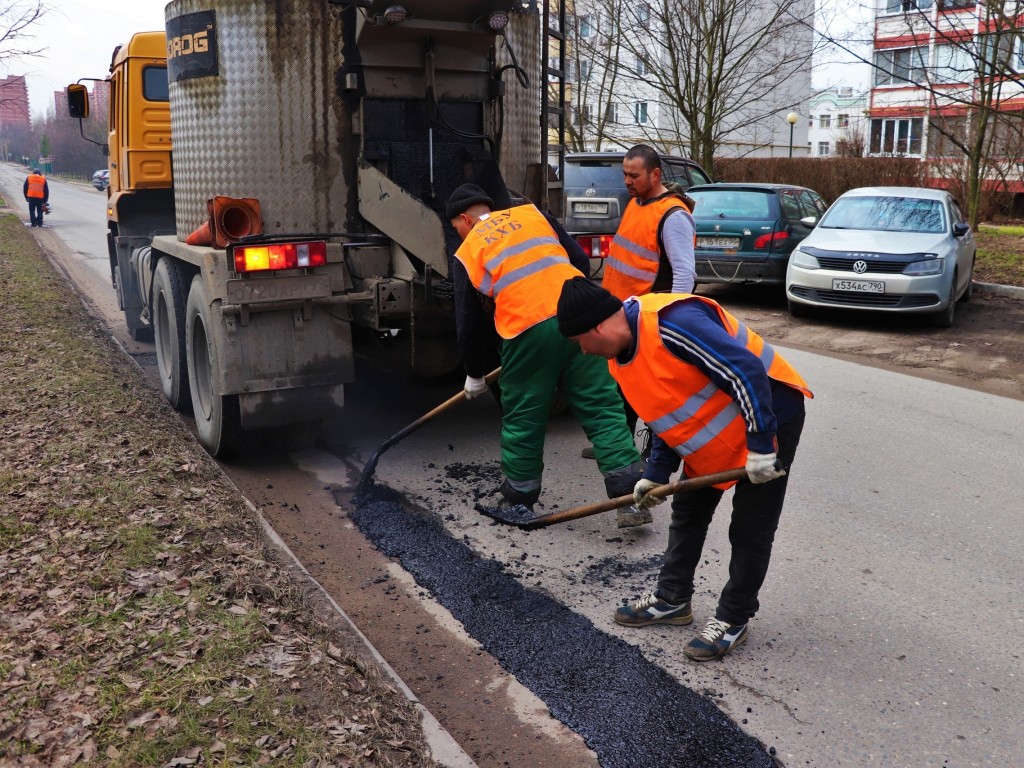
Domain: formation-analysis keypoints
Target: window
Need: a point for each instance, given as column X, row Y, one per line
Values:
column 906, row 6
column 611, row 114
column 843, row 121
column 949, row 5
column 954, row 64
column 900, row 65
column 584, row 114
column 154, row 84
column 641, row 113
column 585, row 67
column 823, row 149
column 586, row 26
column 643, row 15
column 896, row 136
column 825, row 121
column 641, row 66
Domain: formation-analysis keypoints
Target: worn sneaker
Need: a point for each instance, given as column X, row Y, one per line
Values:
column 715, row 640
column 588, row 452
column 630, row 517
column 653, row 610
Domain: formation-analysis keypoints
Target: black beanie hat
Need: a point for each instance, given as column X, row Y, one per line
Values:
column 464, row 198
column 582, row 305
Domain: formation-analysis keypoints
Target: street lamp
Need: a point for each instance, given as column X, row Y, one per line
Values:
column 791, row 118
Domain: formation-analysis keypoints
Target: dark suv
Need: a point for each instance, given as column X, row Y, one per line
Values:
column 595, row 195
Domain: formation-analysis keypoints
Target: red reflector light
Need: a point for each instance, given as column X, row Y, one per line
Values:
column 272, row 256
column 765, row 241
column 595, row 246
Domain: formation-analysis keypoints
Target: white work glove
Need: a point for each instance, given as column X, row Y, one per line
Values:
column 761, row 467
column 641, row 499
column 474, row 387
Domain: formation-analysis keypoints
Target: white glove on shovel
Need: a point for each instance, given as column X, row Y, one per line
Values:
column 641, row 499
column 761, row 467
column 474, row 387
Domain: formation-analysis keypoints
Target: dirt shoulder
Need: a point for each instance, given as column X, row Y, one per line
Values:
column 984, row 350
column 142, row 620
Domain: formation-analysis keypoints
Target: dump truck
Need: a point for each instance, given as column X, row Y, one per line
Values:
column 278, row 174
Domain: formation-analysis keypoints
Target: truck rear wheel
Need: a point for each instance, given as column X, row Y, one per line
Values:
column 217, row 416
column 169, row 299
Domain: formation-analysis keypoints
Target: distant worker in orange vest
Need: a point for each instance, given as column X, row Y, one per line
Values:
column 517, row 258
column 718, row 396
column 37, row 193
column 653, row 247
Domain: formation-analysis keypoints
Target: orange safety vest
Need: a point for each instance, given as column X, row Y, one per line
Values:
column 680, row 403
column 36, row 185
column 514, row 256
column 635, row 253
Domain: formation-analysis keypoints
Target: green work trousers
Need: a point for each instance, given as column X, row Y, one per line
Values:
column 533, row 365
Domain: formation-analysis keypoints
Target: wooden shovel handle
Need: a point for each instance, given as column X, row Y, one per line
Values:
column 661, row 492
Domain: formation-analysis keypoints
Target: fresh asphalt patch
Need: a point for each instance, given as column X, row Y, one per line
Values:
column 629, row 710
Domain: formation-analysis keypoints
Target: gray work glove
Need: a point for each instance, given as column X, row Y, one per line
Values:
column 761, row 467
column 641, row 497
column 474, row 387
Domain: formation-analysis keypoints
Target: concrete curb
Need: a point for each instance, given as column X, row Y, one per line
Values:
column 1012, row 291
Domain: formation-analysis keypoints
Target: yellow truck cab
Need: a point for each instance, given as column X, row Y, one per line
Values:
column 140, row 117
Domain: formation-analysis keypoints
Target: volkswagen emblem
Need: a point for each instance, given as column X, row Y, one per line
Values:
column 860, row 266
column 590, row 192
column 718, row 227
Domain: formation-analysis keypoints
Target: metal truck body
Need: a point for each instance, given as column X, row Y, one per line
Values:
column 350, row 123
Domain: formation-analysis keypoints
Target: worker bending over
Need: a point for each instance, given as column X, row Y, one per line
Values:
column 716, row 395
column 515, row 257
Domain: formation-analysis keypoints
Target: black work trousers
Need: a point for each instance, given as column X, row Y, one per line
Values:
column 35, row 211
column 756, row 509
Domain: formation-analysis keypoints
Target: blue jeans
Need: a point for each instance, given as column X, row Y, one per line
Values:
column 35, row 211
column 756, row 509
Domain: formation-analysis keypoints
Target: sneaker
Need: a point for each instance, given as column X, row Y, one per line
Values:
column 588, row 452
column 715, row 640
column 653, row 610
column 631, row 517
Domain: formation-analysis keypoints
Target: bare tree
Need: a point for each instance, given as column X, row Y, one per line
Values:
column 715, row 70
column 851, row 142
column 967, row 67
column 17, row 17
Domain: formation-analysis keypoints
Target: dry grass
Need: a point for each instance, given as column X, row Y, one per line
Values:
column 1000, row 255
column 141, row 621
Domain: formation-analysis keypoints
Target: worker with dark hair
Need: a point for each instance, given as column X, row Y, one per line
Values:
column 514, row 257
column 37, row 193
column 717, row 395
column 653, row 246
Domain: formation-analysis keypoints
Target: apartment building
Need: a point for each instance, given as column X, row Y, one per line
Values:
column 619, row 74
column 944, row 72
column 837, row 123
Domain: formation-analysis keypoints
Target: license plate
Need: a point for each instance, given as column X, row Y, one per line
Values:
column 590, row 207
column 861, row 286
column 281, row 288
column 718, row 242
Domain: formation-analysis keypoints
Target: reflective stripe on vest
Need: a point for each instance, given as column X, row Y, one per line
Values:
column 680, row 403
column 514, row 256
column 36, row 185
column 634, row 256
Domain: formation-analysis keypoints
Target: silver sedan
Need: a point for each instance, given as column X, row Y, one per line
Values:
column 886, row 249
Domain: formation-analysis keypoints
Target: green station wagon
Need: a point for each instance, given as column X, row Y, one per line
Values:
column 746, row 232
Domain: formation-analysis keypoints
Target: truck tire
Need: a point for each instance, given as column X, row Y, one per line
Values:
column 217, row 416
column 168, row 307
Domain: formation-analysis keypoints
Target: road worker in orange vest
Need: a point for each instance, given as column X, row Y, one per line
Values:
column 653, row 247
column 516, row 258
column 37, row 193
column 717, row 395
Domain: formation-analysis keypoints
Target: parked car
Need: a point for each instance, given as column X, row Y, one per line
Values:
column 101, row 179
column 888, row 249
column 596, row 196
column 746, row 232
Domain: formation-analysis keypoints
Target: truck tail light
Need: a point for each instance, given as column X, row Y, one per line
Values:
column 595, row 246
column 273, row 256
column 765, row 241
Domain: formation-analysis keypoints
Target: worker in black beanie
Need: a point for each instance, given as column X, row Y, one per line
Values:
column 518, row 259
column 717, row 396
